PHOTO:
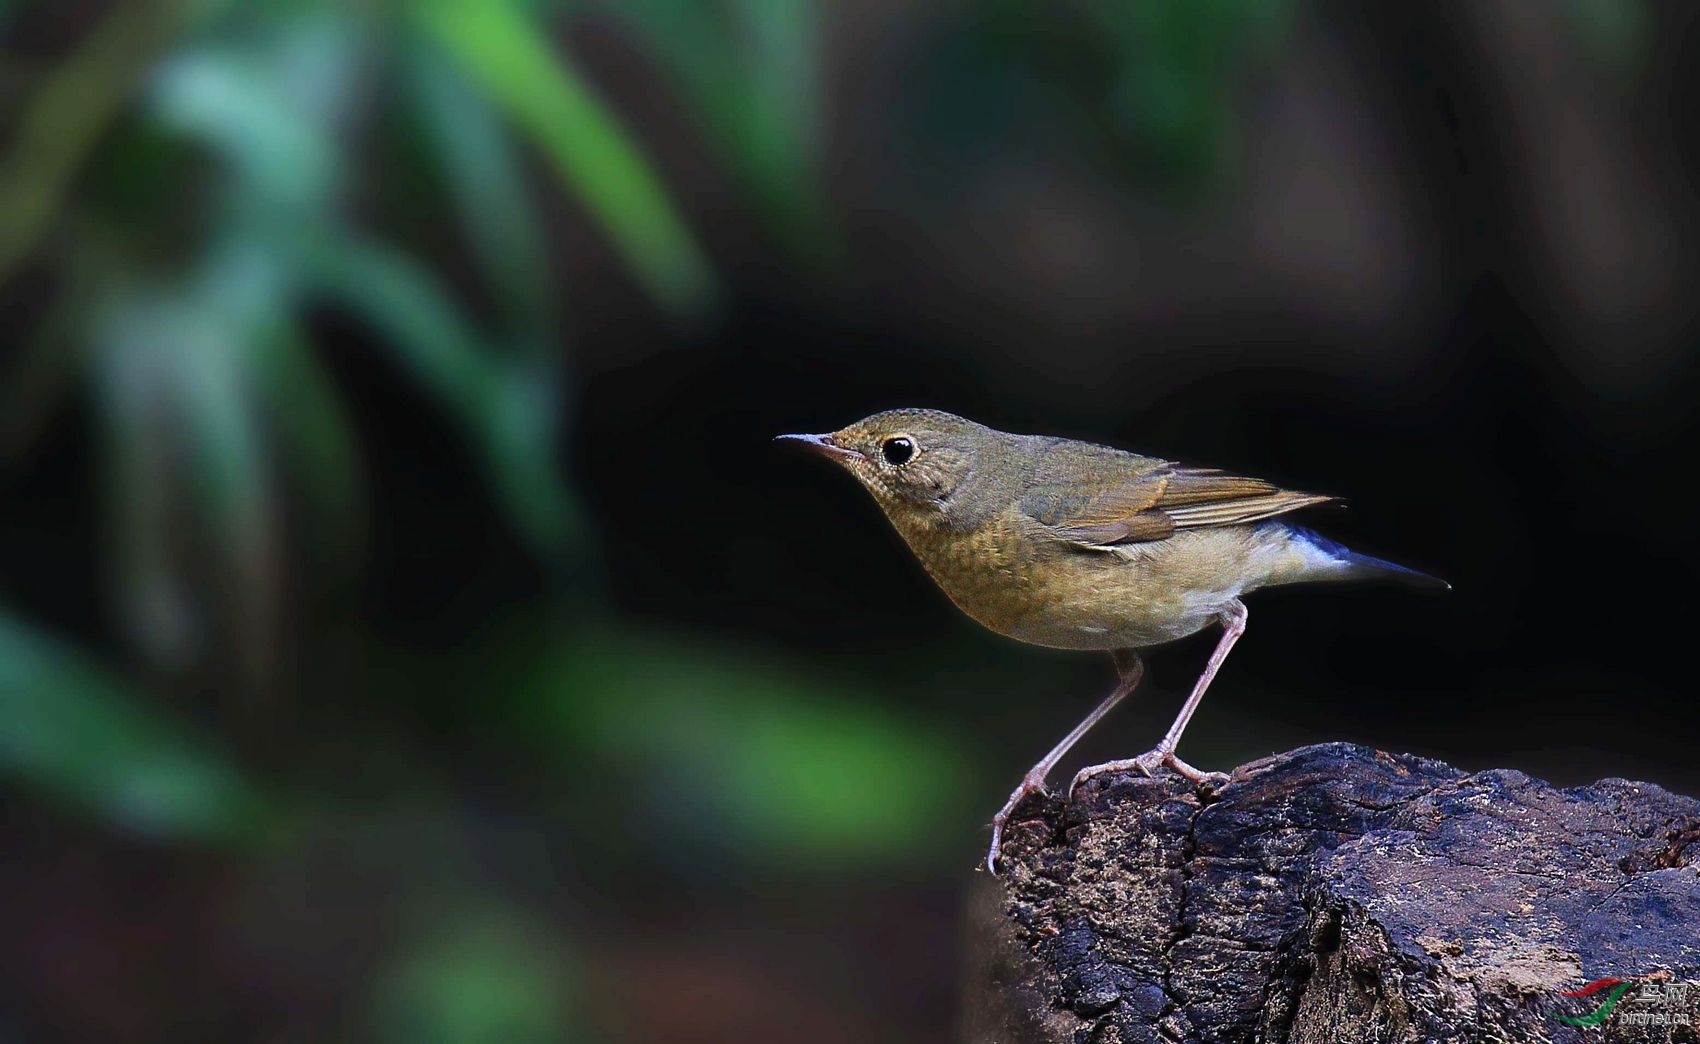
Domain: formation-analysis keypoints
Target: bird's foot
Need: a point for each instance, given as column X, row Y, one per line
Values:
column 1146, row 764
column 1215, row 779
column 1030, row 784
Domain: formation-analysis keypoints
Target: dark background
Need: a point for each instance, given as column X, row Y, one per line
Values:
column 408, row 631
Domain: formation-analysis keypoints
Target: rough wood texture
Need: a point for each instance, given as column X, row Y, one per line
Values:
column 1337, row 894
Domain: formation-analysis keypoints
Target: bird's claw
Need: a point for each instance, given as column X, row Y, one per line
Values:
column 1146, row 765
column 1029, row 786
column 1215, row 779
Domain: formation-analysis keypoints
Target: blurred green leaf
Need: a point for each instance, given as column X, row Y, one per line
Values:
column 782, row 766
column 504, row 50
column 213, row 341
column 132, row 392
column 229, row 317
column 490, row 191
column 233, row 101
column 78, row 734
column 176, row 361
column 1614, row 34
column 750, row 70
column 475, row 977
column 401, row 299
column 1164, row 78
column 314, row 433
column 521, row 441
column 62, row 121
column 506, row 407
column 1181, row 65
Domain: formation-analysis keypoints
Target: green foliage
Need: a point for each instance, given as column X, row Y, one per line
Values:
column 1157, row 86
column 505, row 405
column 60, row 123
column 189, row 326
column 780, row 767
column 179, row 401
column 501, row 48
column 1614, row 34
column 315, row 439
column 498, row 214
column 82, row 737
column 750, row 71
column 1179, row 64
column 476, row 975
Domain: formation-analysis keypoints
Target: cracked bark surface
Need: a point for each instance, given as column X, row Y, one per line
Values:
column 1333, row 894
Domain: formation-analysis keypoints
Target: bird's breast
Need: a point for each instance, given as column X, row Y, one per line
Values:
column 990, row 571
column 1014, row 578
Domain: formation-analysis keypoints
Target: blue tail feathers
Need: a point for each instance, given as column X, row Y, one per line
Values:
column 1357, row 565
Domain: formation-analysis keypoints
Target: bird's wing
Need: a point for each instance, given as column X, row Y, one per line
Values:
column 1155, row 504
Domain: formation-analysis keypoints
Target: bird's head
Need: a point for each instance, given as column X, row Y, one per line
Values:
column 911, row 460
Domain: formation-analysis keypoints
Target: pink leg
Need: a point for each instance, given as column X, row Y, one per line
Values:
column 1131, row 669
column 1233, row 625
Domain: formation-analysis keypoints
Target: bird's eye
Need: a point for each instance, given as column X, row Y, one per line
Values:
column 897, row 451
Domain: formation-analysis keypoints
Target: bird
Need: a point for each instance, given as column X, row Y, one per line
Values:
column 1074, row 545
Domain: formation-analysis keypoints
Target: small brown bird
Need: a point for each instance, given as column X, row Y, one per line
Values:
column 1077, row 546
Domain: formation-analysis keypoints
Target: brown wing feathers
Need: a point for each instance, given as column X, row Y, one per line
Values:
column 1156, row 504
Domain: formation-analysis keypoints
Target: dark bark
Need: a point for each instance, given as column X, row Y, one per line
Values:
column 1337, row 894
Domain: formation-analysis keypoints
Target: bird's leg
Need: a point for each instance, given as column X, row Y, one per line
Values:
column 1129, row 667
column 1233, row 618
column 1233, row 625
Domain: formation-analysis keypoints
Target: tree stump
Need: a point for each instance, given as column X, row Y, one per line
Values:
column 1339, row 894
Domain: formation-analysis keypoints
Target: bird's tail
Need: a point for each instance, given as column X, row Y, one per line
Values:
column 1331, row 560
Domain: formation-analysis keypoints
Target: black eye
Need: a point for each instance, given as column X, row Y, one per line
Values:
column 898, row 451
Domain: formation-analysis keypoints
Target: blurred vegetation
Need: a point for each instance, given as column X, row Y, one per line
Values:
column 1158, row 84
column 81, row 736
column 202, row 182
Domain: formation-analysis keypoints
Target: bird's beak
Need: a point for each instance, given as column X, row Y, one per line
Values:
column 823, row 445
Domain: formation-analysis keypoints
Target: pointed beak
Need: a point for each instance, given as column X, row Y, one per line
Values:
column 821, row 444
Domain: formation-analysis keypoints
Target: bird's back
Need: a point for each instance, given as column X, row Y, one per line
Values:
column 1067, row 476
